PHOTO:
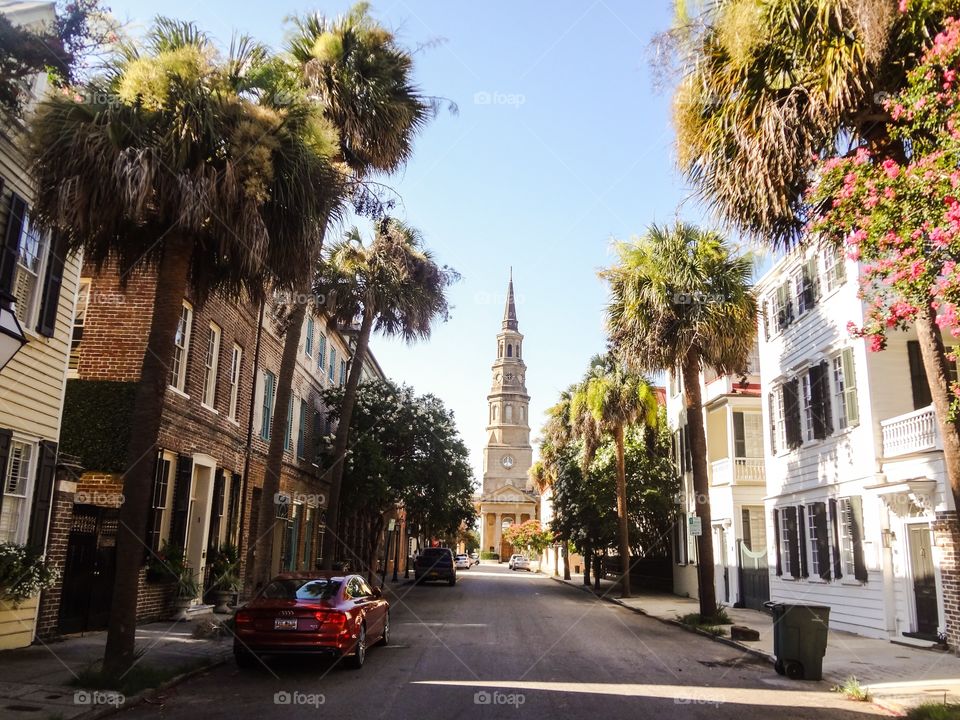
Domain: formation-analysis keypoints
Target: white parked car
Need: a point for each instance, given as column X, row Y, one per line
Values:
column 462, row 562
column 520, row 562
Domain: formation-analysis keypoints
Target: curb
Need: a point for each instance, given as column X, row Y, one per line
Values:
column 143, row 695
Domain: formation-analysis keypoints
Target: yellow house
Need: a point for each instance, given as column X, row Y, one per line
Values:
column 43, row 281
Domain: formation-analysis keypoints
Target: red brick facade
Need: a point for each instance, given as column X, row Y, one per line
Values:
column 947, row 537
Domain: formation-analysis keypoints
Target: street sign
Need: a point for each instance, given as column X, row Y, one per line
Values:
column 696, row 526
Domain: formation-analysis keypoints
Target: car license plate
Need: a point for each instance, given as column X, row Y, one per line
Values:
column 284, row 623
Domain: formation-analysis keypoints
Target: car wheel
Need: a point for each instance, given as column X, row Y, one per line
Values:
column 245, row 660
column 360, row 650
column 385, row 637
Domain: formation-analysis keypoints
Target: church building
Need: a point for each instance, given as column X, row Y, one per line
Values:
column 507, row 496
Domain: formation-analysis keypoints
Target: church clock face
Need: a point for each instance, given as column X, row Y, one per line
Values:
column 507, row 461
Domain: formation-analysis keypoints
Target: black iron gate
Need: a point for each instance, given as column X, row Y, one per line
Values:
column 754, row 576
column 89, row 569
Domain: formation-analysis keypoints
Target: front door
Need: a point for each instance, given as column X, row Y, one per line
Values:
column 924, row 582
column 721, row 575
column 89, row 569
column 198, row 520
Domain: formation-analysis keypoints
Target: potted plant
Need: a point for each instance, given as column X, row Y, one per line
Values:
column 225, row 576
column 166, row 565
column 23, row 575
column 186, row 592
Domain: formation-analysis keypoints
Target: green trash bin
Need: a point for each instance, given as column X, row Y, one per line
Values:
column 800, row 639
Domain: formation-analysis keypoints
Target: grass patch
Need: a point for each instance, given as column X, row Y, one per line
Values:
column 141, row 677
column 853, row 690
column 719, row 617
column 935, row 711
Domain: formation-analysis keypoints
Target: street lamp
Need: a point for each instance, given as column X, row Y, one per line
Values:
column 11, row 333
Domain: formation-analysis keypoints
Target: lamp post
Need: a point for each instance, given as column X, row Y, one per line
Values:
column 11, row 333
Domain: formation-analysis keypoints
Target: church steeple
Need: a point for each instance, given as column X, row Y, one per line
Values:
column 510, row 310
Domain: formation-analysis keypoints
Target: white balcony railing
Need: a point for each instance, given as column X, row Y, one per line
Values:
column 914, row 432
column 746, row 471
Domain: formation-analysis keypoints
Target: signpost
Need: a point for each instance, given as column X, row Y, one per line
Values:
column 696, row 525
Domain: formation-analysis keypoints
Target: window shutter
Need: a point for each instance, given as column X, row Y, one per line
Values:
column 42, row 496
column 233, row 508
column 802, row 540
column 791, row 413
column 772, row 422
column 850, row 387
column 918, row 377
column 11, row 243
column 820, row 400
column 216, row 513
column 158, row 500
column 826, row 411
column 783, row 306
column 835, row 536
column 811, row 282
column 823, row 539
column 52, row 283
column 181, row 502
column 5, row 437
column 856, row 526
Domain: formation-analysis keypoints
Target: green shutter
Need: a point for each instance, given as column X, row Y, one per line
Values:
column 850, row 387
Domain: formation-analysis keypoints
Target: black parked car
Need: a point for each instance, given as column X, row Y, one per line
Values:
column 435, row 564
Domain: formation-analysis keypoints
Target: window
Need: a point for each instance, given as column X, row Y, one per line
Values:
column 754, row 529
column 308, row 343
column 747, row 435
column 814, row 540
column 845, row 389
column 788, row 547
column 509, row 350
column 269, row 387
column 158, row 526
column 288, row 434
column 210, row 366
column 333, row 363
column 79, row 319
column 302, row 430
column 508, row 413
column 851, row 538
column 778, row 426
column 17, row 489
column 806, row 286
column 806, row 401
column 343, row 372
column 30, row 267
column 782, row 310
column 181, row 347
column 321, row 352
column 236, row 358
column 835, row 270
column 680, row 539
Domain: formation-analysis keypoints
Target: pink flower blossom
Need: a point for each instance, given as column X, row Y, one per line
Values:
column 904, row 5
column 891, row 168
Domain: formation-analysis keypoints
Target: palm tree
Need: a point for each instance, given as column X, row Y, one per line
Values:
column 393, row 286
column 556, row 435
column 771, row 86
column 617, row 398
column 657, row 321
column 188, row 175
column 361, row 79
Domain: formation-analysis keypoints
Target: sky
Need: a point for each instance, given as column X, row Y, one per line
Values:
column 561, row 143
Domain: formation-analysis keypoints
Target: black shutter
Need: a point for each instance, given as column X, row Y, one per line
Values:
column 42, row 496
column 10, row 252
column 918, row 376
column 181, row 502
column 823, row 541
column 811, row 286
column 52, row 283
column 802, row 540
column 826, row 411
column 5, row 437
column 856, row 529
column 234, row 508
column 815, row 375
column 791, row 413
column 158, row 500
column 216, row 514
column 793, row 551
column 835, row 540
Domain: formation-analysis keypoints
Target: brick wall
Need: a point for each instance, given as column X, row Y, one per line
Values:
column 947, row 537
column 48, row 614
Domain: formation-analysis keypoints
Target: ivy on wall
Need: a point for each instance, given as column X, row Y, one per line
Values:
column 96, row 423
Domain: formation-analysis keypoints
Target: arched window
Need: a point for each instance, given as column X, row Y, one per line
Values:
column 518, row 350
column 494, row 413
column 509, row 350
column 509, row 413
column 500, row 350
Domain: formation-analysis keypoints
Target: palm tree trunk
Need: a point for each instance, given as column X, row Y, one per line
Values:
column 267, row 517
column 701, row 485
column 172, row 276
column 622, row 519
column 937, row 367
column 343, row 436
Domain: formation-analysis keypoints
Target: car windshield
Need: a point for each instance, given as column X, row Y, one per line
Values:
column 306, row 589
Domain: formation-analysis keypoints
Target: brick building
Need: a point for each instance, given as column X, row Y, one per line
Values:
column 214, row 437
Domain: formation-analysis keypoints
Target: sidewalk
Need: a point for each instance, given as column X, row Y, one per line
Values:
column 898, row 676
column 36, row 679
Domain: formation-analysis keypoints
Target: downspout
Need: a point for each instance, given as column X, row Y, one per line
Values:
column 249, row 443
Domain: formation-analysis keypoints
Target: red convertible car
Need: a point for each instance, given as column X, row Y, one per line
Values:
column 312, row 613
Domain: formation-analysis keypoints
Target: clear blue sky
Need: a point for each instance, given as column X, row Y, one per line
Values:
column 573, row 148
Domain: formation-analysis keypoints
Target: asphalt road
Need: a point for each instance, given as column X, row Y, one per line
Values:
column 503, row 645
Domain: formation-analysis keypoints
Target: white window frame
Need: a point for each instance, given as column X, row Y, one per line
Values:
column 806, row 405
column 236, row 363
column 786, row 569
column 308, row 339
column 779, row 420
column 211, row 366
column 167, row 518
column 30, row 314
column 810, row 542
column 25, row 495
column 798, row 280
column 181, row 350
column 845, row 523
column 835, row 269
column 79, row 320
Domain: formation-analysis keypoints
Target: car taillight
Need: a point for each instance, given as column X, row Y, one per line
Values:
column 336, row 621
column 243, row 619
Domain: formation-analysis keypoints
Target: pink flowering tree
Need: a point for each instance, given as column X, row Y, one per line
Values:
column 895, row 209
